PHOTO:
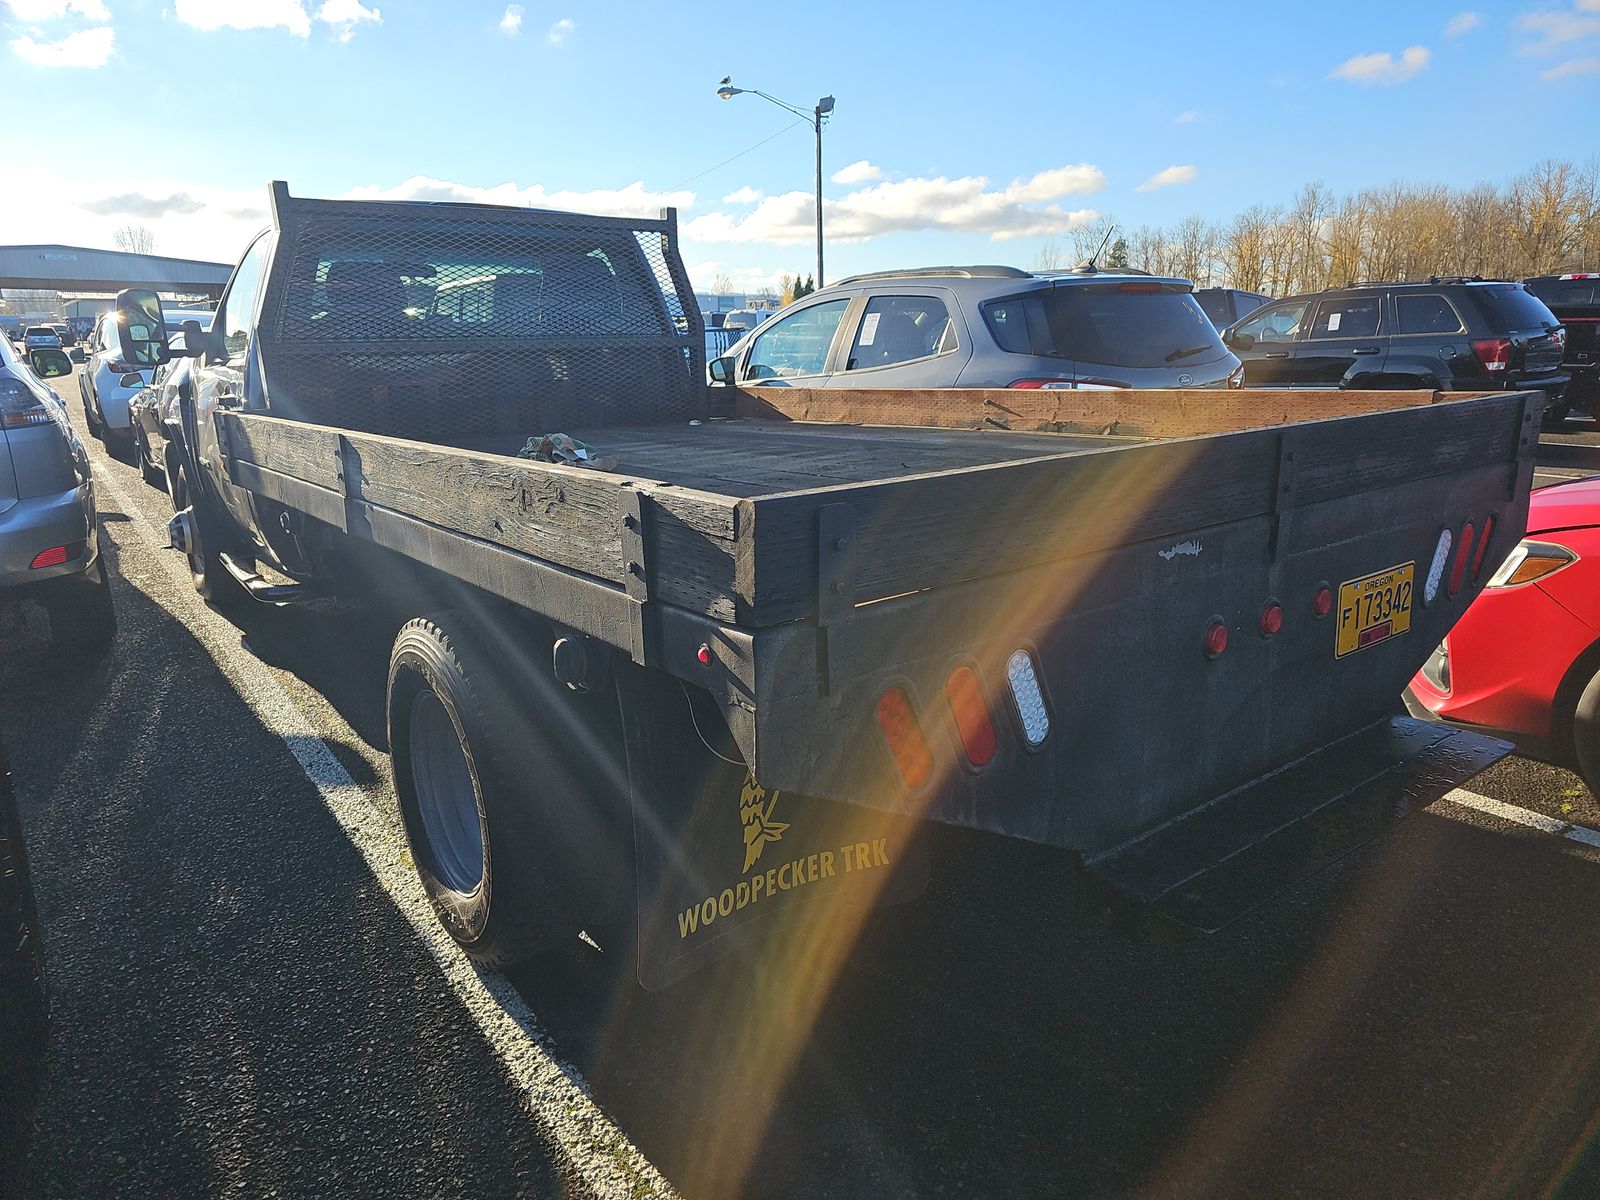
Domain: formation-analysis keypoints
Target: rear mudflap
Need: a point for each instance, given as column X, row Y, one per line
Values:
column 724, row 862
column 1221, row 861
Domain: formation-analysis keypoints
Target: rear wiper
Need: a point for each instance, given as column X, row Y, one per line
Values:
column 1177, row 354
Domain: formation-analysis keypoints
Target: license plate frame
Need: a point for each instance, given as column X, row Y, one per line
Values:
column 1374, row 608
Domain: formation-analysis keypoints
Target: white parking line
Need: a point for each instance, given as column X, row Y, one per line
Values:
column 553, row 1093
column 1524, row 816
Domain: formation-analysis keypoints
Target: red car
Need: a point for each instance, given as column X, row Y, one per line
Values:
column 1523, row 662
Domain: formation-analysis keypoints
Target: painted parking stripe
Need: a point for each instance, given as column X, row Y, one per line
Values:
column 1525, row 816
column 553, row 1093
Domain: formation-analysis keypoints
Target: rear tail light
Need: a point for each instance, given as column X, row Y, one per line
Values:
column 1032, row 712
column 971, row 715
column 19, row 407
column 1271, row 618
column 898, row 720
column 1216, row 639
column 1530, row 561
column 1139, row 287
column 117, row 367
column 1464, row 549
column 52, row 557
column 1046, row 384
column 1483, row 545
column 1437, row 669
column 1322, row 602
column 1065, row 385
column 1493, row 353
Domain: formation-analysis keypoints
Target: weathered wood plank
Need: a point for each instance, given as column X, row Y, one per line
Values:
column 308, row 452
column 1181, row 412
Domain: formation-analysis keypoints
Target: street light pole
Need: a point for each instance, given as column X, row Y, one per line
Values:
column 823, row 108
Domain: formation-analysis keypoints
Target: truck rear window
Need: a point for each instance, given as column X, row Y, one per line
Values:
column 1512, row 307
column 1567, row 293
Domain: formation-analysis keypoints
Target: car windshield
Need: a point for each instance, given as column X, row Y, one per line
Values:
column 1512, row 307
column 1130, row 325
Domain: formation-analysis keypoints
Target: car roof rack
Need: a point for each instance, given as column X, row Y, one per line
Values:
column 977, row 272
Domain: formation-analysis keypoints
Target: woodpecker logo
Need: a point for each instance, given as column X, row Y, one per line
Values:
column 755, row 814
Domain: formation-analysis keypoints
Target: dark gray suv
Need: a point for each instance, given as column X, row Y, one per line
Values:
column 988, row 327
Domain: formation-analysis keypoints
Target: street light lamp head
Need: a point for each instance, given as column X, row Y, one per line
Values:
column 728, row 93
column 825, row 106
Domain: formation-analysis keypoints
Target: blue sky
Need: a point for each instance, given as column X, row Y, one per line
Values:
column 978, row 132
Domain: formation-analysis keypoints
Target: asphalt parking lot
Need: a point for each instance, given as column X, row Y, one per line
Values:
column 248, row 999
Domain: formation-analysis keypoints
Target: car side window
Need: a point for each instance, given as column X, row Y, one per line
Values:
column 1278, row 323
column 797, row 344
column 898, row 329
column 1426, row 313
column 238, row 306
column 1346, row 317
column 108, row 335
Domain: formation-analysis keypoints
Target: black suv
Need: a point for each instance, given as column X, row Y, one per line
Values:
column 1575, row 300
column 1448, row 334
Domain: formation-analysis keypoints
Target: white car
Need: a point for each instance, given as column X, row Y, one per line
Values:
column 106, row 384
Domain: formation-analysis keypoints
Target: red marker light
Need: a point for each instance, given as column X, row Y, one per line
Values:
column 704, row 655
column 1322, row 602
column 1216, row 639
column 1271, row 618
column 898, row 721
column 971, row 715
column 53, row 557
column 1458, row 568
column 1483, row 546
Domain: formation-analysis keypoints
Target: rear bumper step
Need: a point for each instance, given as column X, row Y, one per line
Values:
column 1220, row 862
column 260, row 589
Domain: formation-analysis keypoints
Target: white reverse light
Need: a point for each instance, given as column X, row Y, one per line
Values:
column 1029, row 697
column 1441, row 555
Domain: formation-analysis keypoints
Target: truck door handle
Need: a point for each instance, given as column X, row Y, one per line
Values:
column 1366, row 350
column 228, row 397
column 1278, row 354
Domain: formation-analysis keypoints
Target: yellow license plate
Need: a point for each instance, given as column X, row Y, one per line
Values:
column 1374, row 609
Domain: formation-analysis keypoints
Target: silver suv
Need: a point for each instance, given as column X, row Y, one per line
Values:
column 988, row 327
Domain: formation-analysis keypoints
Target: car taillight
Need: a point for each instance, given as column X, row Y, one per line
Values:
column 1493, row 353
column 1139, row 287
column 898, row 720
column 19, row 407
column 1322, row 602
column 1216, row 639
column 1271, row 618
column 52, row 557
column 1530, row 561
column 1041, row 383
column 971, row 714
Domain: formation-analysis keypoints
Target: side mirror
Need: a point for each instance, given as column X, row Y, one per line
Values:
column 1241, row 341
column 50, row 364
column 196, row 342
column 141, row 330
column 722, row 370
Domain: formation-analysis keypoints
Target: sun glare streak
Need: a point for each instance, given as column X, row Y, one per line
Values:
column 749, row 1053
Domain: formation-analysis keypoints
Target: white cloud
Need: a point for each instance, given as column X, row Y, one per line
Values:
column 511, row 22
column 1383, row 68
column 86, row 48
column 561, row 31
column 860, row 171
column 635, row 200
column 1186, row 118
column 745, row 195
column 1463, row 22
column 1576, row 66
column 244, row 14
column 34, row 11
column 965, row 205
column 1166, row 178
column 1555, row 29
column 143, row 206
column 342, row 17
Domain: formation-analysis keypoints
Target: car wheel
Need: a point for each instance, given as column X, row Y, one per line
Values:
column 210, row 578
column 1586, row 734
column 493, row 805
column 91, row 414
column 147, row 465
column 83, row 620
column 1555, row 415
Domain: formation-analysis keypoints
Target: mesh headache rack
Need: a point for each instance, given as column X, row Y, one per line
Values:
column 461, row 323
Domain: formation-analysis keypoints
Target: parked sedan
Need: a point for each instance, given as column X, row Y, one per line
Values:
column 150, row 411
column 49, row 537
column 1524, row 661
column 987, row 327
column 106, row 385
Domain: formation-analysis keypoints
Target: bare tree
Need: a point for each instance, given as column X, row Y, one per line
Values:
column 135, row 239
column 1050, row 257
column 721, row 284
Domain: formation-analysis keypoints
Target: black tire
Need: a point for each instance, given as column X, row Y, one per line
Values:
column 1556, row 414
column 151, row 473
column 210, row 578
column 91, row 414
column 83, row 620
column 1586, row 734
column 119, row 444
column 531, row 871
